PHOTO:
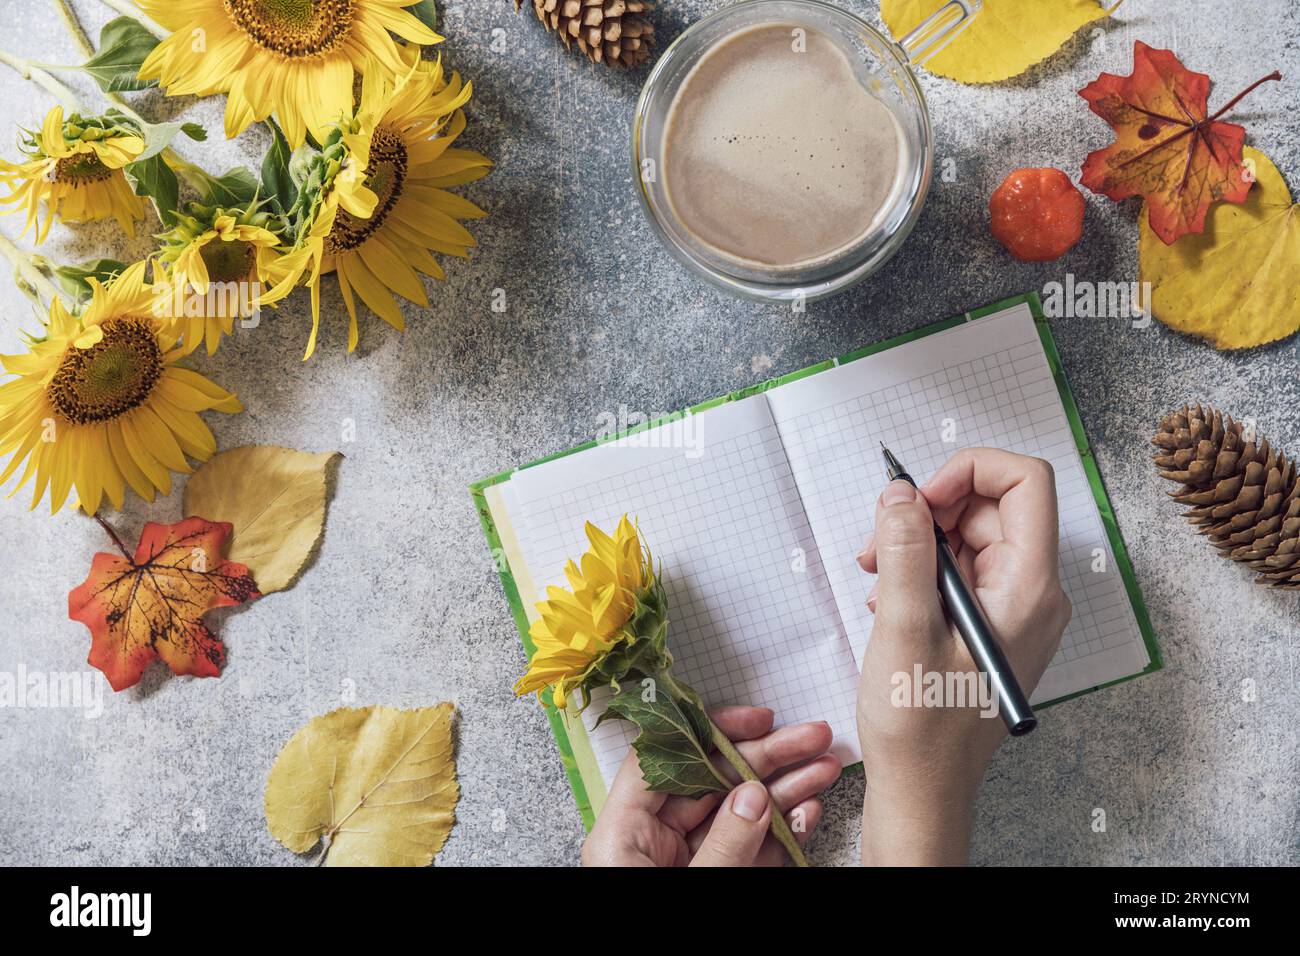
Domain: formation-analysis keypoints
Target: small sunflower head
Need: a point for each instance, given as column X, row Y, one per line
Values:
column 230, row 259
column 86, row 148
column 336, row 175
column 73, row 170
column 218, row 262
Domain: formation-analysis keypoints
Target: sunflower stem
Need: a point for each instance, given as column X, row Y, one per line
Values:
column 30, row 71
column 125, row 8
column 116, row 539
column 70, row 21
column 31, row 274
column 780, row 829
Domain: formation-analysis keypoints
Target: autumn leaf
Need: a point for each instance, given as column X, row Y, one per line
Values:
column 1235, row 283
column 376, row 784
column 1167, row 149
column 1003, row 40
column 152, row 605
column 275, row 498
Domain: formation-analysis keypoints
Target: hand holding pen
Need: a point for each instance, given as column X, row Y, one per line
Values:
column 972, row 625
column 998, row 513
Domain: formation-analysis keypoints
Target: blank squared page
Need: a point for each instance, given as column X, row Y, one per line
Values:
column 983, row 383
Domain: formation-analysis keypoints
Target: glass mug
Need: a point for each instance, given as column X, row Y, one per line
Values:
column 883, row 67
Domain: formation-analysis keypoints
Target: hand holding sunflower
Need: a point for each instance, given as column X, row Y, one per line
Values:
column 609, row 629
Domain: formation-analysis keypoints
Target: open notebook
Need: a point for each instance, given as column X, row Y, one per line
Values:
column 757, row 503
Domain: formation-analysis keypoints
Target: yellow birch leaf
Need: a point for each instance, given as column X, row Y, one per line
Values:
column 275, row 498
column 1006, row 38
column 377, row 784
column 1235, row 283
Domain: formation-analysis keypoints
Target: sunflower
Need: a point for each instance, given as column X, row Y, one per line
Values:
column 98, row 403
column 294, row 58
column 578, row 629
column 400, row 142
column 217, row 262
column 75, row 168
column 337, row 182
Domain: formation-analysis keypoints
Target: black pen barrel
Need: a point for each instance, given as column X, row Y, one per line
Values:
column 975, row 630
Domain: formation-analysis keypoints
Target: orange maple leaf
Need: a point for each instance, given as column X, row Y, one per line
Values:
column 152, row 605
column 1166, row 149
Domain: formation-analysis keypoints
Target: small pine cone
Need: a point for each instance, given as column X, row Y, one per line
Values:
column 613, row 32
column 1245, row 496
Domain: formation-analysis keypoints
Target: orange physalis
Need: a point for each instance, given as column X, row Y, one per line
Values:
column 1037, row 214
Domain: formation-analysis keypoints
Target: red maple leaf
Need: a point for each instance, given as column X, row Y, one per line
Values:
column 1167, row 149
column 152, row 605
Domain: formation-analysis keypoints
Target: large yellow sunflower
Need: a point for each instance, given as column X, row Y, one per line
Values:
column 98, row 403
column 75, row 169
column 578, row 628
column 294, row 58
column 218, row 265
column 401, row 142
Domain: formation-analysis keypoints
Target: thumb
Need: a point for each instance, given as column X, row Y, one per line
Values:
column 738, row 828
column 906, row 590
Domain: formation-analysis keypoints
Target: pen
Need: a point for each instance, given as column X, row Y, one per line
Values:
column 966, row 614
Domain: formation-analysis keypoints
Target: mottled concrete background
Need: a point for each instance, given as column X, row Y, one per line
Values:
column 403, row 607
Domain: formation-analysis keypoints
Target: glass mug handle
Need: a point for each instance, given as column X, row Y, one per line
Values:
column 938, row 30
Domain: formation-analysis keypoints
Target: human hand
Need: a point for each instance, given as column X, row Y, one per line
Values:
column 924, row 764
column 637, row 827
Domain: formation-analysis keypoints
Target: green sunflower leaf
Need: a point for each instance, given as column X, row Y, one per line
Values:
column 673, row 746
column 277, row 183
column 234, row 189
column 72, row 279
column 123, row 45
column 152, row 177
column 426, row 11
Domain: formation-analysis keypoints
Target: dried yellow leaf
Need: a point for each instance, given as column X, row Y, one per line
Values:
column 1235, row 283
column 1006, row 37
column 275, row 498
column 377, row 784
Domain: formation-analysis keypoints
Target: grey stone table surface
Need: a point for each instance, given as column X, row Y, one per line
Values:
column 403, row 606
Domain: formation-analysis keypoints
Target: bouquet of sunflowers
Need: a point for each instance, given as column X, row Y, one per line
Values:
column 610, row 629
column 356, row 182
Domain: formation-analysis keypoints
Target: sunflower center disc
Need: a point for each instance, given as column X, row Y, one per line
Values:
column 228, row 261
column 81, row 168
column 293, row 28
column 384, row 177
column 110, row 378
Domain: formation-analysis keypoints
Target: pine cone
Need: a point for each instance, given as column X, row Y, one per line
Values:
column 1245, row 496
column 612, row 32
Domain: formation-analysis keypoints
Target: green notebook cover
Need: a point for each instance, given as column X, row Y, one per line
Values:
column 478, row 488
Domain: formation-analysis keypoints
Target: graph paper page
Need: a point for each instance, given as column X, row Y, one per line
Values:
column 982, row 383
column 752, row 619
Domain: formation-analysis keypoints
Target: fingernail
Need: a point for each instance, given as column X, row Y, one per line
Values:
column 871, row 601
column 897, row 492
column 749, row 801
column 866, row 547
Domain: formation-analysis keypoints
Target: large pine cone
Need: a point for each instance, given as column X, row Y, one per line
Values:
column 1245, row 496
column 612, row 32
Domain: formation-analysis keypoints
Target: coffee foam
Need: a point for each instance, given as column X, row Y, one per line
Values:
column 777, row 158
